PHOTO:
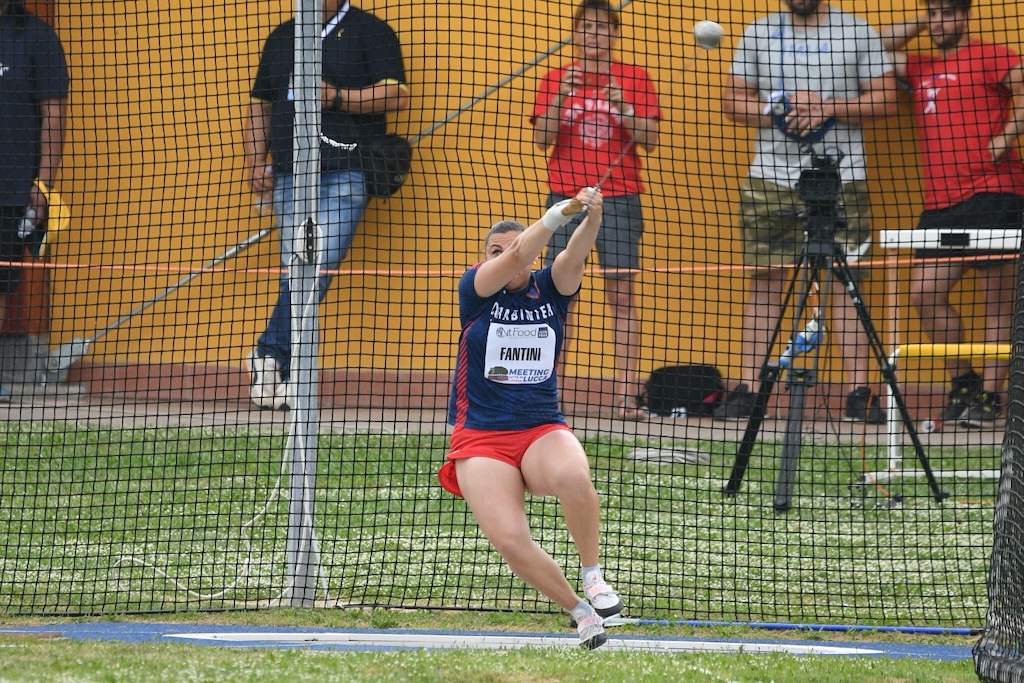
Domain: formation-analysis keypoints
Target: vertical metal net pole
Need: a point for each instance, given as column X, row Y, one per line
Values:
column 999, row 654
column 303, row 556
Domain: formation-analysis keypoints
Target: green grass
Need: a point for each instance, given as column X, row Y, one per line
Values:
column 104, row 520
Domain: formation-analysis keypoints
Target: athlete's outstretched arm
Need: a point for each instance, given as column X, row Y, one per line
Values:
column 567, row 270
column 504, row 263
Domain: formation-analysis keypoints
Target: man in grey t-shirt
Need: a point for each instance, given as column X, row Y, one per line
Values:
column 805, row 78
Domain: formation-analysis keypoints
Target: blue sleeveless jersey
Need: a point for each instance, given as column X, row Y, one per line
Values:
column 505, row 372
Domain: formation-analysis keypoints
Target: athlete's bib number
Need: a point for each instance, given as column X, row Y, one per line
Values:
column 519, row 354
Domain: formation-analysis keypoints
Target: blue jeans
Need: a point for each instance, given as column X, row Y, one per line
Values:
column 342, row 204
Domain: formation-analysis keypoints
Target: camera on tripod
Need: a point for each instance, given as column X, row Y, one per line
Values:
column 820, row 188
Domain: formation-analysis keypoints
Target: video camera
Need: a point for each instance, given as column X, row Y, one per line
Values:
column 821, row 186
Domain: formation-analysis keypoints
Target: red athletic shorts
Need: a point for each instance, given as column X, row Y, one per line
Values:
column 506, row 446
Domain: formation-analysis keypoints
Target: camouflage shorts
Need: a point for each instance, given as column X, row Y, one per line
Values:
column 773, row 232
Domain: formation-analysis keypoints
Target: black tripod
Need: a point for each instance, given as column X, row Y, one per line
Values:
column 820, row 189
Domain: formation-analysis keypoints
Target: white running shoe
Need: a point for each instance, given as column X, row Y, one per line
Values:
column 603, row 598
column 284, row 395
column 591, row 630
column 263, row 379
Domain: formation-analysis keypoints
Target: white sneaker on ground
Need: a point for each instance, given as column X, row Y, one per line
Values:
column 591, row 630
column 284, row 395
column 263, row 379
column 603, row 598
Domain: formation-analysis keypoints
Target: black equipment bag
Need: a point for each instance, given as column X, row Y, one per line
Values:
column 698, row 389
column 385, row 160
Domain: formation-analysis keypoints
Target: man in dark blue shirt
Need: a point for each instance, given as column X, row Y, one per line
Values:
column 33, row 94
column 363, row 79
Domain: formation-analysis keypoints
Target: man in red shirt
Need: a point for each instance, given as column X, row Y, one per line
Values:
column 969, row 113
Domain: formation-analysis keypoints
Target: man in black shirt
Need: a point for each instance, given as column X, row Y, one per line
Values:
column 363, row 79
column 33, row 94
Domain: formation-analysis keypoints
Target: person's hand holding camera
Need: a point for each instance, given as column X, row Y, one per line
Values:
column 808, row 111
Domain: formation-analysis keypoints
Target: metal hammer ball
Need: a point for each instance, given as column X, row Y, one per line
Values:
column 708, row 34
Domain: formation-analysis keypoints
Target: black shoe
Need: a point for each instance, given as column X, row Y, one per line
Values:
column 961, row 396
column 862, row 406
column 984, row 410
column 739, row 404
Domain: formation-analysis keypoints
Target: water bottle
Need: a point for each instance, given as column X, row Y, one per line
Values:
column 807, row 340
column 28, row 223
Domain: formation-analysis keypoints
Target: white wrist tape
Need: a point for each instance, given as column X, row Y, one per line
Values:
column 554, row 218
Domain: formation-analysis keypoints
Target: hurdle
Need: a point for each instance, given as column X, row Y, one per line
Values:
column 967, row 350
